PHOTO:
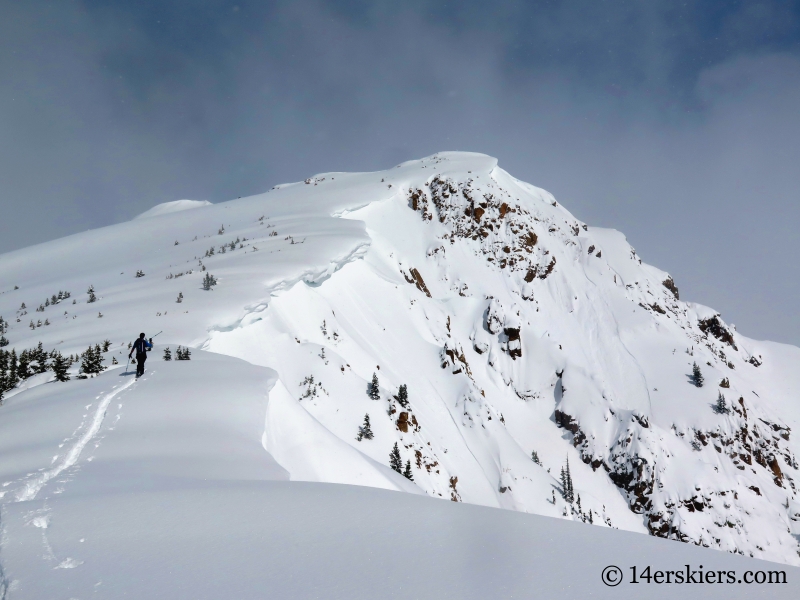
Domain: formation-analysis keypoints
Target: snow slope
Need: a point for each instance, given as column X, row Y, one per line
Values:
column 516, row 328
column 161, row 488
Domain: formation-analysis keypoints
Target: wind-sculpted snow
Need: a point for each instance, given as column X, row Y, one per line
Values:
column 516, row 328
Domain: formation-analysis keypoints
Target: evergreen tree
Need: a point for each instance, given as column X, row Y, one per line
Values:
column 535, row 458
column 3, row 368
column 60, row 367
column 365, row 431
column 92, row 361
column 721, row 408
column 24, row 366
column 407, row 473
column 13, row 377
column 180, row 297
column 106, row 345
column 40, row 356
column 567, row 490
column 114, row 360
column 395, row 462
column 209, row 281
column 92, row 297
column 402, row 396
column 3, row 341
column 697, row 375
column 167, row 354
column 374, row 388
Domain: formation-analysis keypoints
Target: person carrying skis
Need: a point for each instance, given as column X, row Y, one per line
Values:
column 141, row 346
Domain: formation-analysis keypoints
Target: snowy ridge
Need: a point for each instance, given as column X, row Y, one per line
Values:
column 515, row 327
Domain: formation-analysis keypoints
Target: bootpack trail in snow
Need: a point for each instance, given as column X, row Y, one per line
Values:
column 32, row 486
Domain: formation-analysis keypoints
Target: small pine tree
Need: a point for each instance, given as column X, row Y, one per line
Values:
column 92, row 296
column 567, row 491
column 24, row 366
column 407, row 473
column 697, row 375
column 365, row 431
column 180, row 297
column 535, row 458
column 374, row 388
column 721, row 407
column 92, row 361
column 209, row 281
column 60, row 366
column 395, row 462
column 106, row 345
column 114, row 360
column 13, row 376
column 167, row 354
column 402, row 396
column 3, row 341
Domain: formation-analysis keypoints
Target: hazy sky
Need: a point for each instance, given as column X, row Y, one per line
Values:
column 677, row 123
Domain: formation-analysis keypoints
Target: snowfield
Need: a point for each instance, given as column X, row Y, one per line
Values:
column 517, row 330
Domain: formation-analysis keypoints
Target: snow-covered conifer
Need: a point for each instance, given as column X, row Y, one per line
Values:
column 92, row 296
column 697, row 375
column 374, row 388
column 721, row 407
column 13, row 377
column 106, row 345
column 60, row 366
column 167, row 354
column 395, row 462
column 209, row 281
column 365, row 431
column 567, row 491
column 92, row 361
column 402, row 396
column 24, row 365
column 535, row 458
column 180, row 297
column 407, row 473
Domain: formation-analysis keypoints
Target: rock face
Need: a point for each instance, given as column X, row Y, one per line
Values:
column 516, row 328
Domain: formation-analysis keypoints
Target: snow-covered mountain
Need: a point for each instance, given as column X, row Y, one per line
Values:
column 517, row 330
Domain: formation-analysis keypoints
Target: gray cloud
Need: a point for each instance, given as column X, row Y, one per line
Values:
column 674, row 124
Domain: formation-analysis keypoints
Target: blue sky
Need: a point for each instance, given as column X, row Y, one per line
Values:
column 675, row 122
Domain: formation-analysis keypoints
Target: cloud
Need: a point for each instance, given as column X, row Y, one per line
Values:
column 673, row 123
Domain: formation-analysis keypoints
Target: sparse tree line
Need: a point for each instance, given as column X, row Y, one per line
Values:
column 180, row 354
column 232, row 245
column 16, row 368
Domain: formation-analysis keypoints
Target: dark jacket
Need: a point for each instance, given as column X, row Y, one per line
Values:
column 140, row 345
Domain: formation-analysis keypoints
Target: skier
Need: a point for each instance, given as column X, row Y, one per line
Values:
column 142, row 347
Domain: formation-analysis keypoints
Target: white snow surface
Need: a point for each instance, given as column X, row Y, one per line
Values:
column 515, row 327
column 166, row 208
